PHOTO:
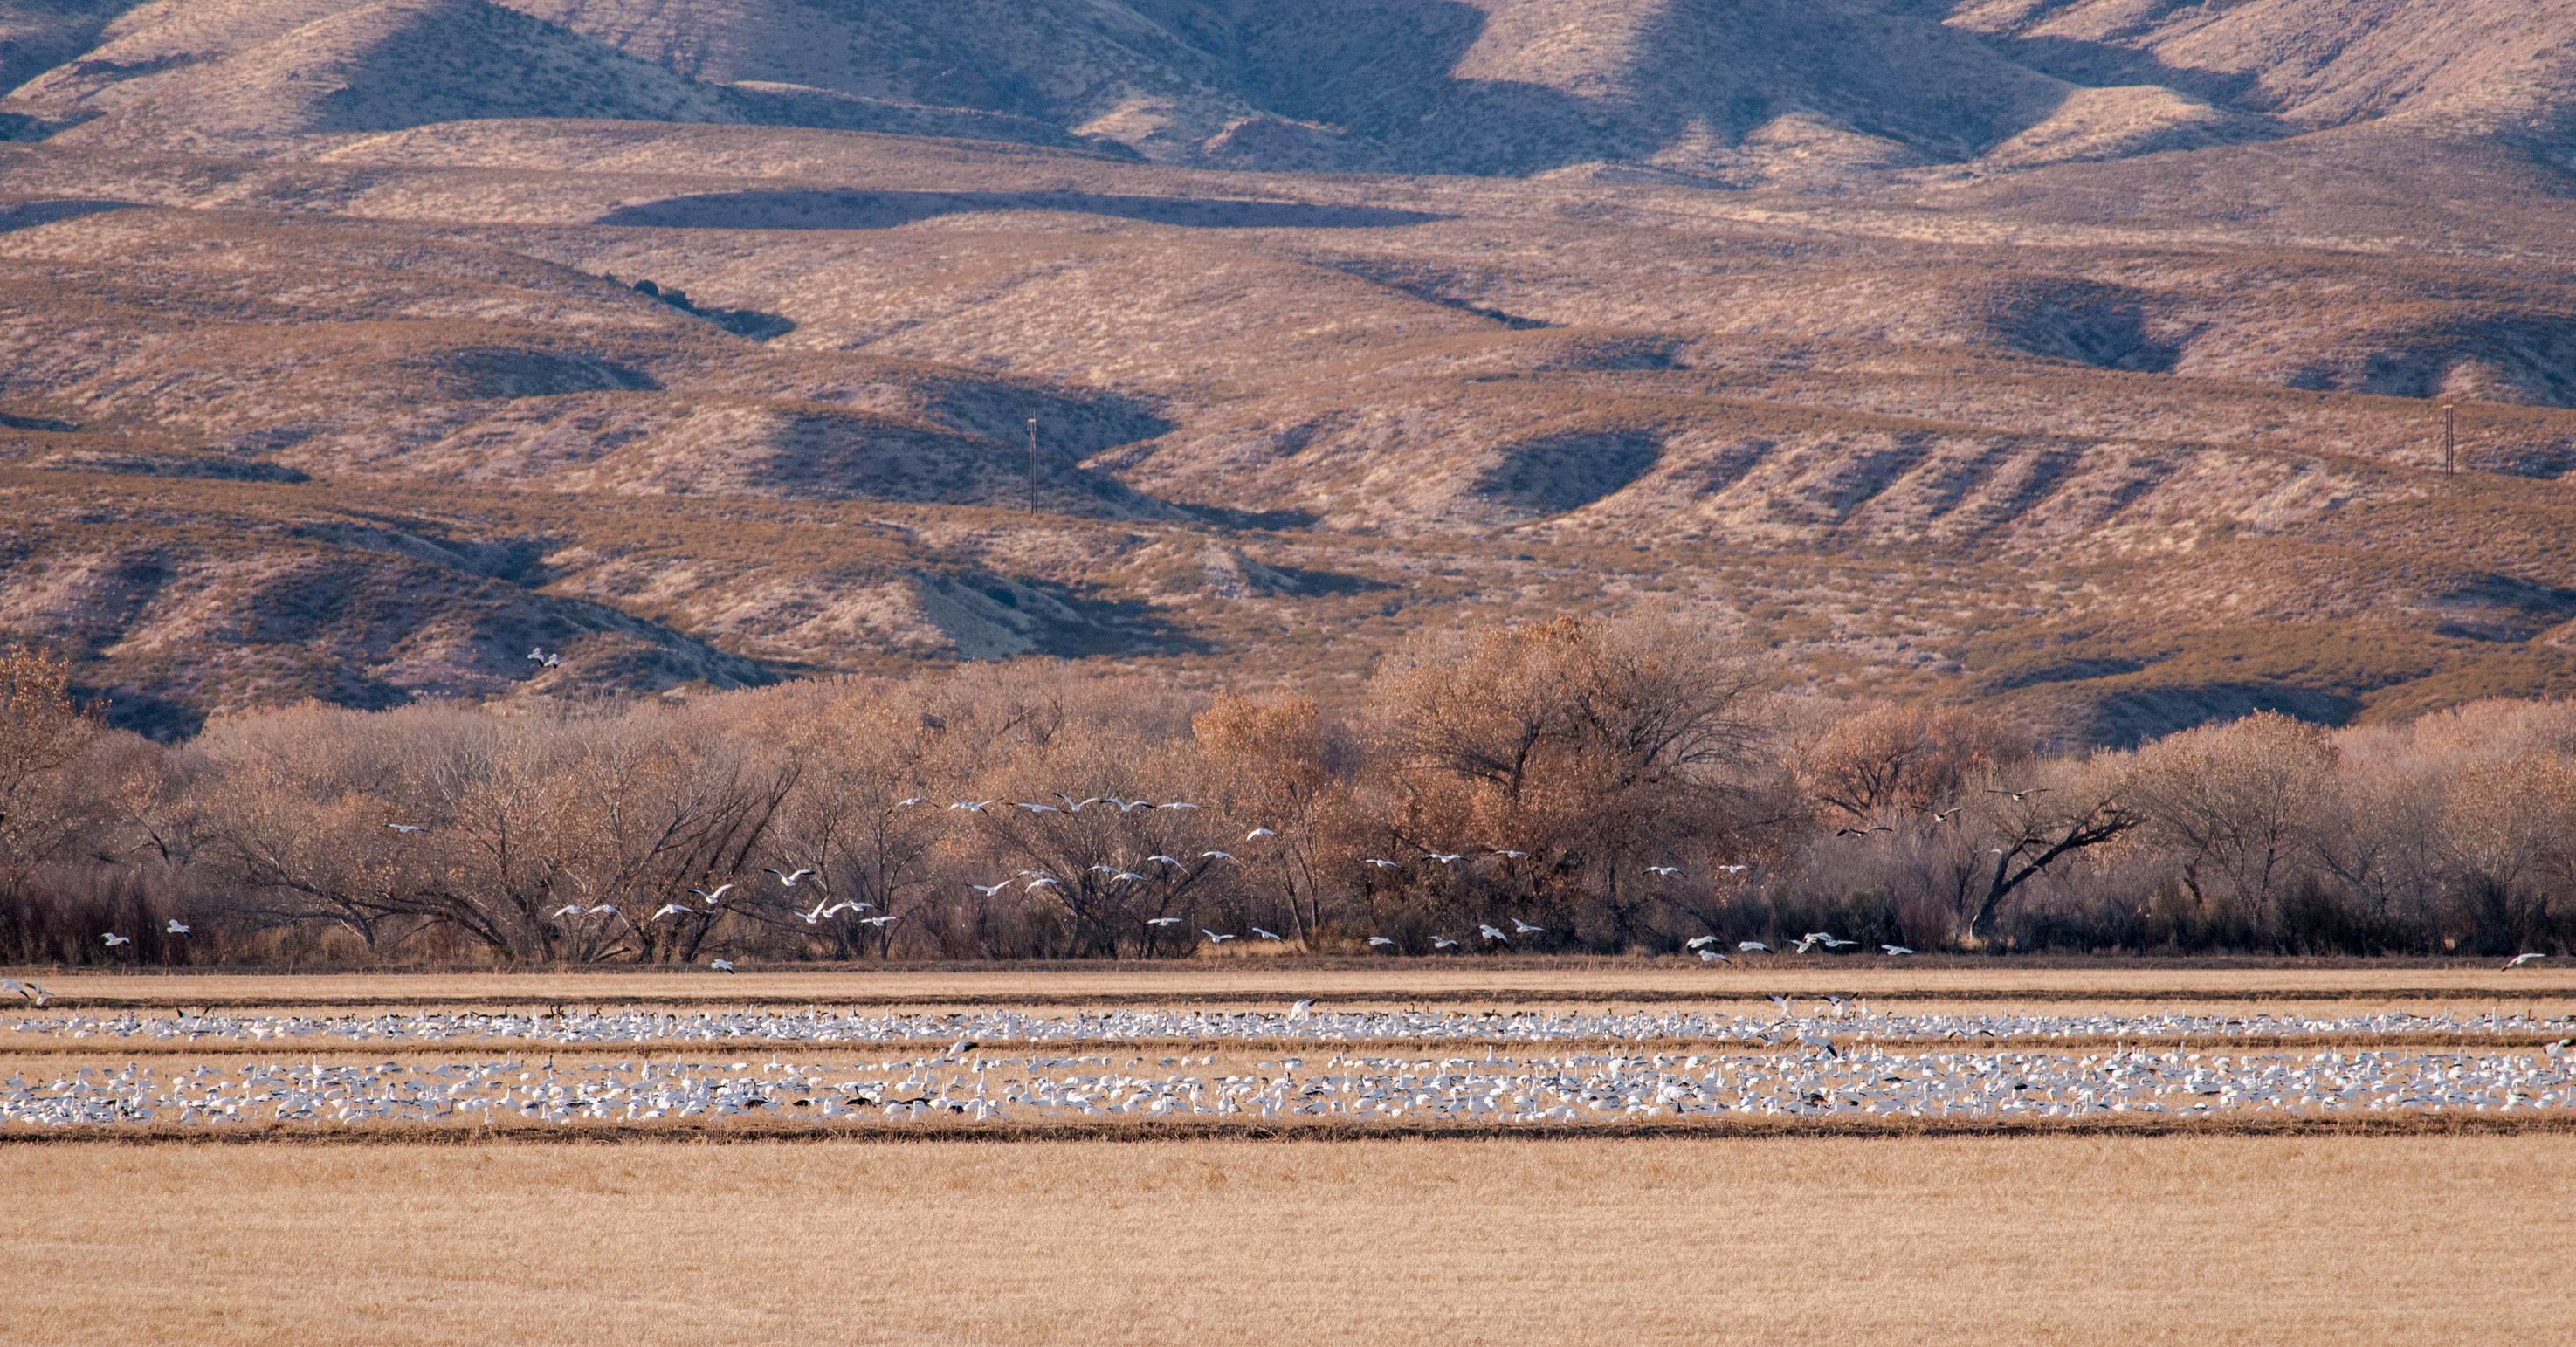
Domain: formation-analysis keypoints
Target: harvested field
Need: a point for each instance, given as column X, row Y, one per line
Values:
column 2090, row 1239
column 1483, row 982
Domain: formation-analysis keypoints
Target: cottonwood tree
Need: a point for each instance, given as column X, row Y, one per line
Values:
column 1597, row 748
column 2236, row 804
column 47, row 805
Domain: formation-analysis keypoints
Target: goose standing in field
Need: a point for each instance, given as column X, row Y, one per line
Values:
column 2519, row 960
column 176, row 927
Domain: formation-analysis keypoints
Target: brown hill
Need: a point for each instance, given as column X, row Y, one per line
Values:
column 2087, row 357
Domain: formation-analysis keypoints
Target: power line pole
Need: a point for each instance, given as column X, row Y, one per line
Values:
column 2450, row 440
column 1033, row 446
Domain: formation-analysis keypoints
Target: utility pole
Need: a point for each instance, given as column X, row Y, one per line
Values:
column 2450, row 439
column 1033, row 446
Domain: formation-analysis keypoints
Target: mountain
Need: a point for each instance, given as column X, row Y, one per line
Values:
column 2087, row 357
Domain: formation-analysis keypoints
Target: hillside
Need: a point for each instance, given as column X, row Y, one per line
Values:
column 2083, row 356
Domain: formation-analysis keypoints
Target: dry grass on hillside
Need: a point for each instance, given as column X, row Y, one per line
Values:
column 2066, row 1239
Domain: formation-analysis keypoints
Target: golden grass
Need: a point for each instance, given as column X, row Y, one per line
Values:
column 1480, row 981
column 2093, row 1239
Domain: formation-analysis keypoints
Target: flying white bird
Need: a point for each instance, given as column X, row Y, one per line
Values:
column 1216, row 855
column 715, row 895
column 1520, row 927
column 1259, row 832
column 1379, row 940
column 880, row 922
column 973, row 806
column 909, row 801
column 667, row 909
column 1751, row 947
column 1443, row 942
column 988, row 890
column 1039, row 808
column 608, row 908
column 1444, row 857
column 721, row 965
column 26, row 989
column 2019, row 795
column 1162, row 921
column 1124, row 876
column 1266, row 935
column 1699, row 942
column 568, row 910
column 113, row 939
column 1173, row 861
column 1510, row 855
column 1712, row 956
column 1213, row 937
column 1169, row 804
column 821, row 910
column 407, row 828
column 1894, row 951
column 787, row 878
column 1735, row 869
column 1664, row 871
column 1382, row 865
column 1492, row 933
column 176, row 927
column 1041, row 882
column 2519, row 960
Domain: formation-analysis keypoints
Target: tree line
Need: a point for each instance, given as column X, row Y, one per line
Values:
column 1624, row 787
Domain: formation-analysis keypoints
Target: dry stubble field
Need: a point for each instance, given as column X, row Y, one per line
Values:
column 2334, row 1233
